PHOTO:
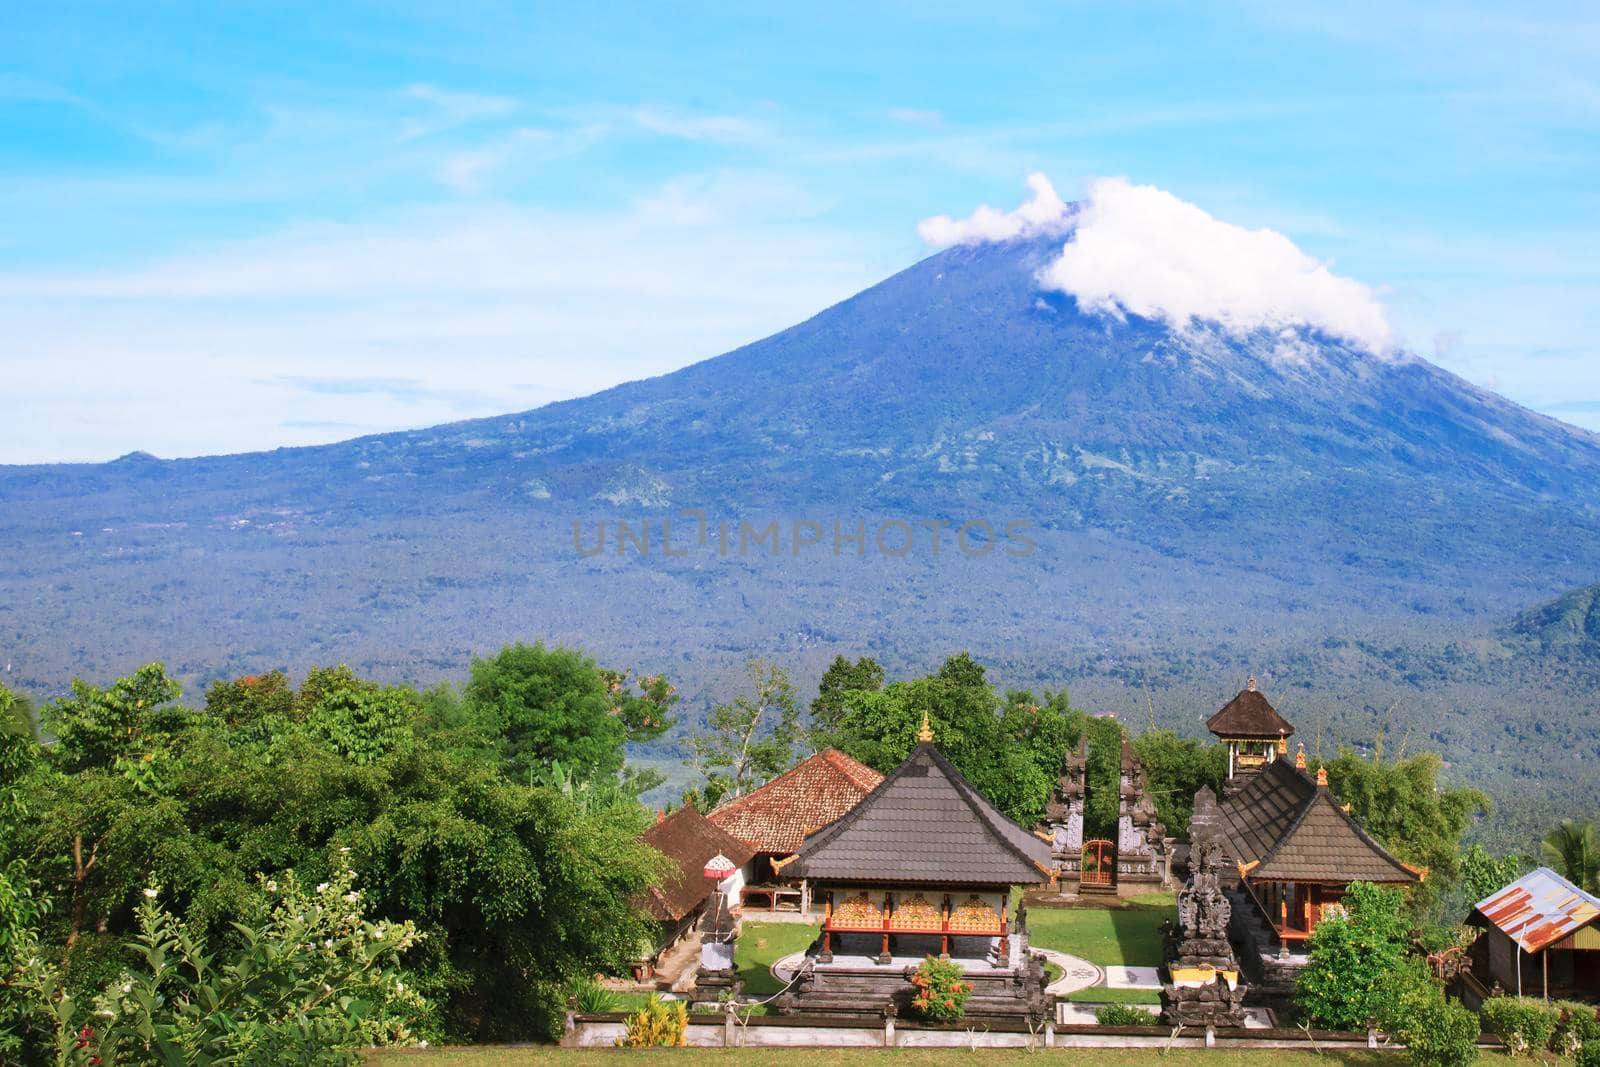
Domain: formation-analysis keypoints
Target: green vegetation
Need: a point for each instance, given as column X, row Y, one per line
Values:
column 750, row 739
column 1124, row 1015
column 1129, row 935
column 942, row 990
column 760, row 945
column 1103, row 995
column 518, row 878
column 1573, row 851
column 657, row 1024
column 1527, row 1025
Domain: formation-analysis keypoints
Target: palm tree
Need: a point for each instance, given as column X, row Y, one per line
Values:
column 1573, row 851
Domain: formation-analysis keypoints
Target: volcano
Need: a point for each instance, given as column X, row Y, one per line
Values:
column 1195, row 504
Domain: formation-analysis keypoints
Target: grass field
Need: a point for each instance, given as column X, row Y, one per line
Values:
column 1129, row 935
column 1097, row 994
column 545, row 1056
column 760, row 945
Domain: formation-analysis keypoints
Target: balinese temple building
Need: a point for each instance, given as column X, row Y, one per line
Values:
column 924, row 865
column 1254, row 732
column 1294, row 846
column 775, row 818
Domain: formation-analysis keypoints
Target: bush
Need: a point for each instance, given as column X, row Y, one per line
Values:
column 1524, row 1024
column 1589, row 1054
column 1435, row 1031
column 942, row 990
column 1579, row 1025
column 1440, row 1034
column 657, row 1023
column 1123, row 1015
column 593, row 998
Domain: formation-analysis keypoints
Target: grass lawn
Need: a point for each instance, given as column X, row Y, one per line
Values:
column 1099, row 994
column 546, row 1056
column 1128, row 935
column 760, row 945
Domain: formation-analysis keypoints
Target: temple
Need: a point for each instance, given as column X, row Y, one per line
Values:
column 1294, row 846
column 774, row 820
column 924, row 865
column 1254, row 732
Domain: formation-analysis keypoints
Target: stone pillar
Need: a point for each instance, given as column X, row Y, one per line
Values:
column 730, row 1025
column 888, row 1025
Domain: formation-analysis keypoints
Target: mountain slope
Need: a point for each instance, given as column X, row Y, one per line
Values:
column 1200, row 506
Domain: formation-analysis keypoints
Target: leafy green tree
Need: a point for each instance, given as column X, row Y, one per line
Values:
column 842, row 676
column 316, row 981
column 1402, row 804
column 487, row 865
column 16, row 714
column 555, row 705
column 753, row 737
column 21, row 907
column 1355, row 958
column 1177, row 768
column 1415, row 1011
column 118, row 727
column 1483, row 874
column 1011, row 752
column 1572, row 850
column 361, row 720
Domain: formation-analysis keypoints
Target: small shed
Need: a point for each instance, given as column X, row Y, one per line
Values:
column 1543, row 936
column 677, row 902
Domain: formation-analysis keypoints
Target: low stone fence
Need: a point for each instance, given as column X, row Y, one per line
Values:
column 729, row 1030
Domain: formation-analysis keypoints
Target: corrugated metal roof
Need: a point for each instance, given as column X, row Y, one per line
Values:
column 1539, row 909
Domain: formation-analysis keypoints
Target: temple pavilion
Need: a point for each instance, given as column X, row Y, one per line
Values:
column 1253, row 731
column 1295, row 847
column 923, row 865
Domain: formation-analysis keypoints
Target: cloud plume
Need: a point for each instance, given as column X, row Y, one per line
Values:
column 1041, row 213
column 1137, row 249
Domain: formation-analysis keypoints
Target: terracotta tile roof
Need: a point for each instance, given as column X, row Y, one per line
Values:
column 1287, row 828
column 687, row 839
column 1249, row 715
column 1539, row 909
column 776, row 817
column 924, row 824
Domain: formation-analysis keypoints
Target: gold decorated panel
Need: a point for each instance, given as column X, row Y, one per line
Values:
column 858, row 911
column 915, row 913
column 975, row 915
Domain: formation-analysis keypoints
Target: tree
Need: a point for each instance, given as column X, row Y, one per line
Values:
column 518, row 886
column 1572, row 850
column 16, row 714
column 1401, row 803
column 753, row 737
column 314, row 982
column 865, row 675
column 1354, row 958
column 555, row 705
column 1177, row 767
column 1011, row 753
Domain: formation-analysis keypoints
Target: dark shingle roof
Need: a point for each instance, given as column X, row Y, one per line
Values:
column 687, row 839
column 1285, row 827
column 924, row 823
column 1249, row 715
column 808, row 796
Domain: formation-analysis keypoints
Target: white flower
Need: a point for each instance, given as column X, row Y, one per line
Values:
column 150, row 892
column 422, row 1044
column 352, row 896
column 272, row 887
column 127, row 987
column 345, row 851
column 323, row 888
column 326, row 988
column 328, row 943
column 399, row 987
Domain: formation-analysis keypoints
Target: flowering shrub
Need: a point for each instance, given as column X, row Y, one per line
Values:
column 941, row 990
column 1579, row 1026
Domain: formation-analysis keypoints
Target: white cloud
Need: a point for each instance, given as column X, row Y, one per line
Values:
column 722, row 129
column 1041, row 213
column 295, row 337
column 1139, row 249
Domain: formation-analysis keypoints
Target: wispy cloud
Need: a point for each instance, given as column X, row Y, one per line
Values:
column 688, row 126
column 916, row 116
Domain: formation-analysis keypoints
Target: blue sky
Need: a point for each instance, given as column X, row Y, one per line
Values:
column 230, row 227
